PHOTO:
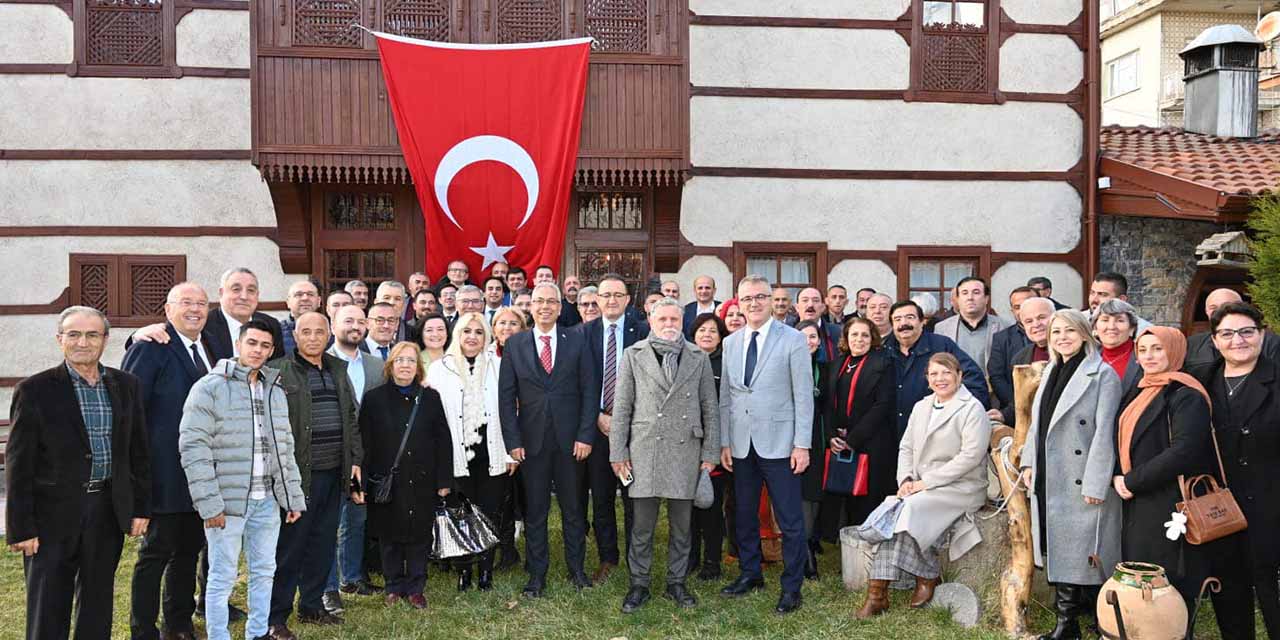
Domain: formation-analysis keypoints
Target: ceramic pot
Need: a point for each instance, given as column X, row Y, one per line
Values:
column 1150, row 607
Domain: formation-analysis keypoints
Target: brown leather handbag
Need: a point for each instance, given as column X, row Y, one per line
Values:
column 1214, row 514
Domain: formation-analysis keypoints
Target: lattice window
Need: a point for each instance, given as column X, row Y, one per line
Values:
column 618, row 25
column 130, row 289
column 954, row 45
column 326, row 23
column 530, row 20
column 425, row 19
column 595, row 263
column 124, row 32
column 370, row 265
column 611, row 211
column 360, row 211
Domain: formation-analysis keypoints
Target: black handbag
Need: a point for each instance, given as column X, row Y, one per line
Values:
column 461, row 530
column 379, row 484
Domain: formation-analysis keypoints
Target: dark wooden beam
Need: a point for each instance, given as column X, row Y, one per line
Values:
column 124, row 154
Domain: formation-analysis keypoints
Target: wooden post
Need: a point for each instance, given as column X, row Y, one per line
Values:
column 1015, row 584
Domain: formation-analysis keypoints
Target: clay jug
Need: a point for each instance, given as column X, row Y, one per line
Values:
column 1152, row 609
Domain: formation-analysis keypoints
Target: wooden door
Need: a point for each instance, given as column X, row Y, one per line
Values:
column 370, row 233
column 609, row 232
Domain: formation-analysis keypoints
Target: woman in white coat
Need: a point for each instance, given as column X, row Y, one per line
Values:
column 467, row 380
column 942, row 482
column 1068, row 462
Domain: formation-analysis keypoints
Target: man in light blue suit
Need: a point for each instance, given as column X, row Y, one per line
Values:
column 766, row 423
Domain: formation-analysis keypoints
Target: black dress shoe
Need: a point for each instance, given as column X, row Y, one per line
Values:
column 788, row 602
column 320, row 617
column 681, row 596
column 534, row 588
column 580, row 581
column 742, row 586
column 464, row 579
column 485, row 579
column 635, row 599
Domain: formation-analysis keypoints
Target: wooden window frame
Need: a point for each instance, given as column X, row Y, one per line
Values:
column 605, row 240
column 168, row 67
column 990, row 95
column 816, row 250
column 906, row 253
column 407, row 238
column 1109, row 84
column 120, row 284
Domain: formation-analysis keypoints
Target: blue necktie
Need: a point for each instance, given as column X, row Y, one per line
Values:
column 383, row 351
column 751, row 360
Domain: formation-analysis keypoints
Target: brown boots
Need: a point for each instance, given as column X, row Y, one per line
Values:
column 877, row 600
column 924, row 591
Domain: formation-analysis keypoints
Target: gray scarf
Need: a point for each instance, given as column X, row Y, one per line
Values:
column 670, row 351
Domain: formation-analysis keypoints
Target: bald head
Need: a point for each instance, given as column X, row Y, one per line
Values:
column 187, row 308
column 311, row 333
column 1219, row 297
column 1034, row 315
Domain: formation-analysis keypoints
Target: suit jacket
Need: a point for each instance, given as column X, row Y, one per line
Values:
column 165, row 375
column 593, row 332
column 569, row 316
column 48, row 458
column 1004, row 346
column 1024, row 356
column 910, row 370
column 691, row 314
column 532, row 402
column 775, row 412
column 217, row 336
column 373, row 375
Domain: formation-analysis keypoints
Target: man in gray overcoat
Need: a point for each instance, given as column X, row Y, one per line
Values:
column 666, row 428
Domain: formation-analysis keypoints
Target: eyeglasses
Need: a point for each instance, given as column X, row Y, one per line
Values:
column 458, row 270
column 611, row 296
column 544, row 302
column 75, row 336
column 197, row 304
column 590, row 305
column 405, row 360
column 381, row 321
column 304, row 294
column 759, row 297
column 1248, row 333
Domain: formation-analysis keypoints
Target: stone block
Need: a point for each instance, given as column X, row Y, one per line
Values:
column 960, row 601
column 981, row 568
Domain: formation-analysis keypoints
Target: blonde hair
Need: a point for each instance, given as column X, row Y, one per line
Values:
column 513, row 312
column 1074, row 319
column 455, row 343
column 418, row 373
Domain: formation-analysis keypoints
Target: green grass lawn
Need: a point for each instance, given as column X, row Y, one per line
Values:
column 594, row 613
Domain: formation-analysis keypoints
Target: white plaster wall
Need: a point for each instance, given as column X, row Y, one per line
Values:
column 1043, row 11
column 1067, row 285
column 883, row 134
column 1036, row 63
column 208, row 38
column 704, row 266
column 1140, row 107
column 37, row 269
column 134, row 193
column 31, row 33
column 6, row 399
column 123, row 113
column 798, row 58
column 863, row 9
column 857, row 274
column 882, row 214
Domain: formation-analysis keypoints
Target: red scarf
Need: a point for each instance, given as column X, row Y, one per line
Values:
column 1118, row 357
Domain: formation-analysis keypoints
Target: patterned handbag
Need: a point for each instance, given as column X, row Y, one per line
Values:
column 461, row 530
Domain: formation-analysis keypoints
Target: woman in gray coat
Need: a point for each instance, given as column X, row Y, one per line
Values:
column 666, row 426
column 1067, row 463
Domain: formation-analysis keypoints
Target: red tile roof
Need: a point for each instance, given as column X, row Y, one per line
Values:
column 1233, row 166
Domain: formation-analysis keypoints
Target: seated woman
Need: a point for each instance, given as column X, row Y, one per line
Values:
column 942, row 481
column 1163, row 433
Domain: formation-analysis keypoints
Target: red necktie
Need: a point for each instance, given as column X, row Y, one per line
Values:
column 545, row 355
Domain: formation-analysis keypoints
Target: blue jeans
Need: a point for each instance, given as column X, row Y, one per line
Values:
column 348, row 564
column 258, row 529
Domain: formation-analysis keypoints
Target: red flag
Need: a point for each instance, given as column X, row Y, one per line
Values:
column 490, row 134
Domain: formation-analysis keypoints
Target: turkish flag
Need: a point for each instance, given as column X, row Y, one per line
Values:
column 490, row 134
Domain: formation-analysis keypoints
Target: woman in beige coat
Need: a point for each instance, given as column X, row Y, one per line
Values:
column 942, row 481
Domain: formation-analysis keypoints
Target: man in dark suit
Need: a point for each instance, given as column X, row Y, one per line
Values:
column 704, row 292
column 1044, row 289
column 172, row 545
column 606, row 337
column 548, row 415
column 303, row 297
column 237, row 304
column 1005, row 344
column 77, row 477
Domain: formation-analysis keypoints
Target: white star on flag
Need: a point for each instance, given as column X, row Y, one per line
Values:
column 492, row 252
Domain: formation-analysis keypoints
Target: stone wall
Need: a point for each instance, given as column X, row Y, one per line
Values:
column 1157, row 256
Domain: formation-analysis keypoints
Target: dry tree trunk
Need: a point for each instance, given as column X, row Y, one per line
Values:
column 1015, row 584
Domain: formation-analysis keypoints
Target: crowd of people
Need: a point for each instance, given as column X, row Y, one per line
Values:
column 227, row 433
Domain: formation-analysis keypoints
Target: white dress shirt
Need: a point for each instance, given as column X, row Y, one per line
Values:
column 233, row 326
column 204, row 353
column 355, row 370
column 537, row 344
column 746, row 342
